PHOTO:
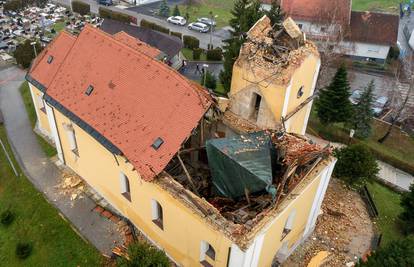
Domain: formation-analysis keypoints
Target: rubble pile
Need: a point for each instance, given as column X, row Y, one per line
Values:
column 275, row 49
column 71, row 185
column 344, row 229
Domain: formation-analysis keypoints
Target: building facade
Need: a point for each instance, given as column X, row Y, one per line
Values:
column 122, row 126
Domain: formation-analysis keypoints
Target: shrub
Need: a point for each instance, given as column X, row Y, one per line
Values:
column 161, row 29
column 356, row 164
column 153, row 26
column 177, row 34
column 210, row 46
column 164, row 9
column 23, row 250
column 197, row 53
column 215, row 54
column 191, row 42
column 407, row 216
column 398, row 253
column 81, row 7
column 6, row 217
column 13, row 5
column 143, row 255
column 107, row 13
column 210, row 80
column 24, row 53
column 394, row 52
column 176, row 11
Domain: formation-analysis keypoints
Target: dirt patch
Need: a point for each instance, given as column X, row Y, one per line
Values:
column 344, row 229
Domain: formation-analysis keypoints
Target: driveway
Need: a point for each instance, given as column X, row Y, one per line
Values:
column 44, row 175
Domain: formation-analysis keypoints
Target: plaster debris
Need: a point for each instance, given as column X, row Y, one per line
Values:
column 344, row 236
column 71, row 185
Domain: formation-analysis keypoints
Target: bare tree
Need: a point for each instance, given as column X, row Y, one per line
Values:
column 401, row 97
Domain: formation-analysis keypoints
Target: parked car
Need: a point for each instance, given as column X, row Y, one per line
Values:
column 105, row 2
column 198, row 26
column 207, row 21
column 177, row 20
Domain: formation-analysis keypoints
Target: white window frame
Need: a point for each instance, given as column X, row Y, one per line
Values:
column 125, row 186
column 157, row 214
column 204, row 248
column 290, row 221
column 73, row 144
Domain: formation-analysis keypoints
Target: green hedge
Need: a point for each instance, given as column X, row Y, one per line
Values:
column 191, row 42
column 109, row 14
column 215, row 54
column 153, row 26
column 81, row 7
column 177, row 34
column 197, row 53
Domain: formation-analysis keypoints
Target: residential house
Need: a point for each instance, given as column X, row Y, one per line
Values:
column 335, row 27
column 140, row 134
column 170, row 46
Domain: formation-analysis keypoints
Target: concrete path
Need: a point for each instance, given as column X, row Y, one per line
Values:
column 388, row 173
column 190, row 71
column 45, row 176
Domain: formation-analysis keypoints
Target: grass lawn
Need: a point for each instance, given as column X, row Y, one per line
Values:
column 59, row 26
column 218, row 7
column 398, row 149
column 49, row 150
column 37, row 222
column 188, row 53
column 391, row 6
column 388, row 205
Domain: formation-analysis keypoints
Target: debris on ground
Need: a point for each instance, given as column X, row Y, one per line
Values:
column 71, row 185
column 344, row 229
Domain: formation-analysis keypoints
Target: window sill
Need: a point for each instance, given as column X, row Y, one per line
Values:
column 285, row 233
column 127, row 195
column 76, row 152
column 205, row 263
column 159, row 223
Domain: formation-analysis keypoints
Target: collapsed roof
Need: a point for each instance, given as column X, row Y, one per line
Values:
column 272, row 53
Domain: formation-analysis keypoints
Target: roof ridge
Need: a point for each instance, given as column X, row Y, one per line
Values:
column 165, row 68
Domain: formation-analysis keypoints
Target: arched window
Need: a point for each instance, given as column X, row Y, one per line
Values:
column 300, row 92
column 125, row 190
column 289, row 224
column 157, row 215
column 207, row 254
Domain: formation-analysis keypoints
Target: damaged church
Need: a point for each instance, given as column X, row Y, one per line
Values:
column 212, row 181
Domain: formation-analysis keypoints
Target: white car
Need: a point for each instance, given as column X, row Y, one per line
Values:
column 177, row 20
column 198, row 26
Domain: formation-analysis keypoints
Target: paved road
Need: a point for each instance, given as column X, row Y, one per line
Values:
column 42, row 172
column 217, row 36
column 387, row 172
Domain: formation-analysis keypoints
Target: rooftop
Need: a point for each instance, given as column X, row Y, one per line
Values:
column 168, row 44
column 138, row 45
column 318, row 11
column 124, row 98
column 373, row 27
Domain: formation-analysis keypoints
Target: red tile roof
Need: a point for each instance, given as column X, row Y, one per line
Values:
column 322, row 11
column 136, row 99
column 374, row 28
column 41, row 70
column 137, row 44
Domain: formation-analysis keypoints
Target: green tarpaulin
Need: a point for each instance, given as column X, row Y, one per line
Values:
column 239, row 163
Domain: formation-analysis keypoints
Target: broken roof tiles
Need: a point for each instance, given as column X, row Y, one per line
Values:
column 136, row 99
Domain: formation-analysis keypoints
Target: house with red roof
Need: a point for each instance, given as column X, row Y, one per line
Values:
column 366, row 36
column 188, row 170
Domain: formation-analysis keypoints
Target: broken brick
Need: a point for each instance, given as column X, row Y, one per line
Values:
column 106, row 214
column 98, row 209
column 115, row 219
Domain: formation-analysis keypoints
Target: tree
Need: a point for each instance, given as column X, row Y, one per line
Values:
column 275, row 14
column 333, row 103
column 355, row 164
column 407, row 216
column 210, row 80
column 176, row 11
column 363, row 114
column 398, row 253
column 13, row 5
column 164, row 9
column 144, row 255
column 245, row 13
column 25, row 53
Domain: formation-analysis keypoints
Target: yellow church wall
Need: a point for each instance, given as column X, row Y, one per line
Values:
column 302, row 205
column 41, row 113
column 183, row 229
